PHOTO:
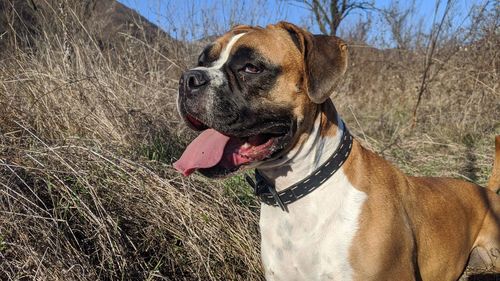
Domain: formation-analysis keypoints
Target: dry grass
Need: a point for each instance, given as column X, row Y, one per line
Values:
column 87, row 135
column 458, row 118
column 87, row 191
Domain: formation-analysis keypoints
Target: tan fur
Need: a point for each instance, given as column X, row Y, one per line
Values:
column 291, row 88
column 437, row 222
column 325, row 61
column 328, row 120
column 222, row 41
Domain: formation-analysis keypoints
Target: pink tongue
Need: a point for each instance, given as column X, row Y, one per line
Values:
column 203, row 152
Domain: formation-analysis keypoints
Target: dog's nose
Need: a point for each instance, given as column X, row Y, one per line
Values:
column 193, row 80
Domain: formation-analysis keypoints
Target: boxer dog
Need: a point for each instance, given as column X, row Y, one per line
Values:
column 331, row 209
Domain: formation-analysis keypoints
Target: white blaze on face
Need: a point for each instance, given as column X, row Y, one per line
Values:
column 225, row 53
column 214, row 72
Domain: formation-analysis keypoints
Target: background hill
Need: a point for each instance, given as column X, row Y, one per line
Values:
column 107, row 21
column 88, row 130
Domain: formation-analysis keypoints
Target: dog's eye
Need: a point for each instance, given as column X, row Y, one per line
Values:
column 200, row 60
column 252, row 69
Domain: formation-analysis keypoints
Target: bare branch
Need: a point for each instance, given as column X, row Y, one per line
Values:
column 431, row 47
column 329, row 14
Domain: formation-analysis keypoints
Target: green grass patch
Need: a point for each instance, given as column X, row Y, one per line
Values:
column 237, row 188
column 160, row 149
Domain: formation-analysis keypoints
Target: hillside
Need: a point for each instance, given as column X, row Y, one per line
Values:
column 89, row 129
column 110, row 23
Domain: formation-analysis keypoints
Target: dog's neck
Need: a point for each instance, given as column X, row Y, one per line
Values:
column 315, row 147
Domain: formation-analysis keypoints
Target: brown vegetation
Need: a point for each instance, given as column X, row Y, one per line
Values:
column 88, row 129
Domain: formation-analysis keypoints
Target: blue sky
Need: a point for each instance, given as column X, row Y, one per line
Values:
column 193, row 19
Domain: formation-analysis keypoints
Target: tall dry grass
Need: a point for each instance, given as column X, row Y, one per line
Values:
column 457, row 120
column 87, row 135
column 88, row 130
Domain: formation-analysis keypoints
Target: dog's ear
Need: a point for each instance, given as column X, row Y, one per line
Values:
column 326, row 63
column 325, row 60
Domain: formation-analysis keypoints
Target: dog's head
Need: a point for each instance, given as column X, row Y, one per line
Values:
column 254, row 93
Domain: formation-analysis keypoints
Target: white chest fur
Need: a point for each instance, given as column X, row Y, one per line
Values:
column 312, row 240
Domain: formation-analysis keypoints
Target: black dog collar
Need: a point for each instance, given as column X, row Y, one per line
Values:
column 268, row 194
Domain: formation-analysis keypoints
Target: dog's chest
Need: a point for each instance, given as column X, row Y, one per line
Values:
column 312, row 241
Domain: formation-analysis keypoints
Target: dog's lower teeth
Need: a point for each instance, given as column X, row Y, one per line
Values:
column 246, row 145
column 244, row 156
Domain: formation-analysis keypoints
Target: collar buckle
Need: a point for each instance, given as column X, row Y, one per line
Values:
column 262, row 187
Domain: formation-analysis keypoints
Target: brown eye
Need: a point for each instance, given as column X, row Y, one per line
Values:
column 252, row 69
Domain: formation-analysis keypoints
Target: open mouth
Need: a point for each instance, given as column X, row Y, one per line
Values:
column 215, row 154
